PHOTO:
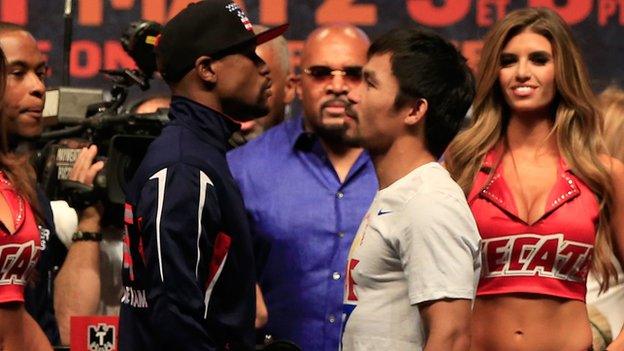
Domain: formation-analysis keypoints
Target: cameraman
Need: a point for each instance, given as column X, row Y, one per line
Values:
column 76, row 288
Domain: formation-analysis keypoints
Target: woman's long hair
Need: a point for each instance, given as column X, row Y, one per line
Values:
column 612, row 103
column 577, row 120
column 17, row 168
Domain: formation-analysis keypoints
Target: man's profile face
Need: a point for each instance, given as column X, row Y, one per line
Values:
column 373, row 121
column 25, row 88
column 324, row 98
column 277, row 101
column 243, row 85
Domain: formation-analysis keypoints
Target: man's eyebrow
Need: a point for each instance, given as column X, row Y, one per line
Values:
column 16, row 64
column 24, row 64
column 370, row 75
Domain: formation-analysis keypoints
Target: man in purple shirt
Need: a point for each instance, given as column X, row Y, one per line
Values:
column 305, row 191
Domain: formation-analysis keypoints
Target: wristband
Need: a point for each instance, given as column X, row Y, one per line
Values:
column 86, row 236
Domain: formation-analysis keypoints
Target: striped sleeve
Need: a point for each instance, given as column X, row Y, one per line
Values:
column 184, row 253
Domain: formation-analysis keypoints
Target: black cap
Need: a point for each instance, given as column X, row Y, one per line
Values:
column 209, row 27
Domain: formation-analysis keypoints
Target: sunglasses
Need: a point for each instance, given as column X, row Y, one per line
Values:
column 352, row 74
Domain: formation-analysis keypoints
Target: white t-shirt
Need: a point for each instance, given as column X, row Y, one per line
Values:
column 418, row 242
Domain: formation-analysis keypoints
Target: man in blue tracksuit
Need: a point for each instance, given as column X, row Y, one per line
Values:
column 188, row 267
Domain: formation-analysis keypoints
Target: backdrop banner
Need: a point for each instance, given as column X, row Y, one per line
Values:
column 598, row 26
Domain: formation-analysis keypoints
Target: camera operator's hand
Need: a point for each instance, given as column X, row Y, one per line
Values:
column 77, row 286
column 84, row 169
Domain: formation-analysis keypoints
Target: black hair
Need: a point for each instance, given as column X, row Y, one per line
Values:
column 11, row 27
column 429, row 67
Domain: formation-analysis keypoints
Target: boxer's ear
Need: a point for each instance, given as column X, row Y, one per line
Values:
column 204, row 69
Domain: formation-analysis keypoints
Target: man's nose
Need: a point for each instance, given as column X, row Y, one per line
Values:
column 337, row 85
column 354, row 95
column 36, row 84
column 264, row 69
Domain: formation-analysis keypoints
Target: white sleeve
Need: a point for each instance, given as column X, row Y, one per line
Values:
column 65, row 221
column 439, row 248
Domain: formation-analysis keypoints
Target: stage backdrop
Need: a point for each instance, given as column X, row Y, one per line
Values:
column 597, row 24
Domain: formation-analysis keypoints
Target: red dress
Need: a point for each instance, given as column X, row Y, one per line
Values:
column 551, row 256
column 19, row 251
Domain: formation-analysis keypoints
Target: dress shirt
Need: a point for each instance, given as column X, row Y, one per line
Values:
column 303, row 220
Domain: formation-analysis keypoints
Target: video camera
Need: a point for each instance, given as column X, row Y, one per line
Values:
column 79, row 117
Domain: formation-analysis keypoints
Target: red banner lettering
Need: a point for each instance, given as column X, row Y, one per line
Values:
column 471, row 49
column 90, row 12
column 85, row 58
column 273, row 12
column 332, row 11
column 156, row 10
column 573, row 12
column 115, row 57
column 14, row 11
column 485, row 17
column 122, row 4
column 608, row 8
column 427, row 13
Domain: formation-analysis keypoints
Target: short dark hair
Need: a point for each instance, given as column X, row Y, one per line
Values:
column 429, row 67
column 11, row 27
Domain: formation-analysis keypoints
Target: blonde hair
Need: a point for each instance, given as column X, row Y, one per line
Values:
column 577, row 121
column 612, row 103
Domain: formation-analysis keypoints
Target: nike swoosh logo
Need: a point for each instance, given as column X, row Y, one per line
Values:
column 382, row 212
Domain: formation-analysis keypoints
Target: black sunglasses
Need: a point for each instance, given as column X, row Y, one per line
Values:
column 350, row 73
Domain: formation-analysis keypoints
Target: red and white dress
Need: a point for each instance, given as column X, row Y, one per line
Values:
column 19, row 251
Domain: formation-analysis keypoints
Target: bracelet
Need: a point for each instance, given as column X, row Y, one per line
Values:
column 86, row 236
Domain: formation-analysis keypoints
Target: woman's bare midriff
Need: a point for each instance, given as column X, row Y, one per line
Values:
column 526, row 322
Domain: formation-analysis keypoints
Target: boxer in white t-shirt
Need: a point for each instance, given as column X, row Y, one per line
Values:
column 414, row 264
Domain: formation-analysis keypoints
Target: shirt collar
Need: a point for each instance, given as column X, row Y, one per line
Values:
column 495, row 188
column 209, row 124
column 299, row 138
column 492, row 158
column 308, row 142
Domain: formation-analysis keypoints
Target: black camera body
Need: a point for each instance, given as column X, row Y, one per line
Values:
column 122, row 140
column 79, row 117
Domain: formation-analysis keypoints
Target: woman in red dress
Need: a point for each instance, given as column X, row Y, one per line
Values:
column 547, row 200
column 20, row 242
